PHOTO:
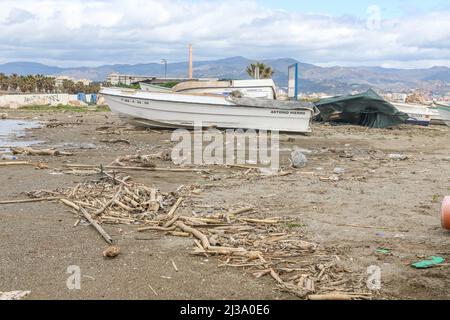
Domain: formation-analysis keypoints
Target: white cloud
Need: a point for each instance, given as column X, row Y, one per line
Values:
column 95, row 32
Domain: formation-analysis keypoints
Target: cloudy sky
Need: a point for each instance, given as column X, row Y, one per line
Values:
column 391, row 33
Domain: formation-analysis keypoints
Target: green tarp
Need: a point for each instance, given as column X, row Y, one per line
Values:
column 366, row 109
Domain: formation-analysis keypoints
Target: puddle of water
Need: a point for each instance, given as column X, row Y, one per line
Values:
column 11, row 129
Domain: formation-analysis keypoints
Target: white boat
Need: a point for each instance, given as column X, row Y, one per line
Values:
column 418, row 114
column 444, row 112
column 175, row 110
column 255, row 88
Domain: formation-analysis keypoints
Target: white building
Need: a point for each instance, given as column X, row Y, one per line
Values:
column 59, row 81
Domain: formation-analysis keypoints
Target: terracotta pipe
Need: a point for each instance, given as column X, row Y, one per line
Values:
column 445, row 213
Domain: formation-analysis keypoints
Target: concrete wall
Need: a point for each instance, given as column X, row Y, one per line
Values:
column 18, row 100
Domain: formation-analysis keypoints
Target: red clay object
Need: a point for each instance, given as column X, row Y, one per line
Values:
column 445, row 213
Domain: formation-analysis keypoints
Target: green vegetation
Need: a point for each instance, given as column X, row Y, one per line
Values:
column 436, row 197
column 292, row 225
column 64, row 108
column 265, row 72
column 43, row 84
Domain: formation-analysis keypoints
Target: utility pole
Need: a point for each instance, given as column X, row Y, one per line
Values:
column 190, row 62
column 164, row 61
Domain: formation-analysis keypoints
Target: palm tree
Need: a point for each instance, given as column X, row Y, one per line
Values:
column 14, row 80
column 40, row 82
column 49, row 84
column 68, row 86
column 265, row 72
column 27, row 84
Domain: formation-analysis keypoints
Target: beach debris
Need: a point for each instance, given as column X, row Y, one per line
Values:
column 14, row 295
column 397, row 156
column 112, row 251
column 39, row 152
column 14, row 163
column 82, row 146
column 264, row 246
column 92, row 166
column 116, row 141
column 432, row 262
column 41, row 165
column 333, row 178
column 339, row 296
column 383, row 250
column 338, row 170
column 297, row 159
column 8, row 157
column 28, row 200
column 142, row 159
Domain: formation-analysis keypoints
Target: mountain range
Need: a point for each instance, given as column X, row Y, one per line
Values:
column 313, row 78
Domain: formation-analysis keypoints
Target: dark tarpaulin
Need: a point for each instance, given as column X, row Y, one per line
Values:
column 365, row 109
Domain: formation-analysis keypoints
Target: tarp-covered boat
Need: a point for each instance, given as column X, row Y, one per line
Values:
column 366, row 109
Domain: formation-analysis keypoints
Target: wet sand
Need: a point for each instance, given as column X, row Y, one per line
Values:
column 377, row 202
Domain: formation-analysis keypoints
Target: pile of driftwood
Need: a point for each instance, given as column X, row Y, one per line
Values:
column 240, row 238
column 263, row 246
column 39, row 152
column 116, row 200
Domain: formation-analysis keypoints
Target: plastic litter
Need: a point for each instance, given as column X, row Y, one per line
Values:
column 424, row 264
column 338, row 170
column 384, row 250
column 298, row 159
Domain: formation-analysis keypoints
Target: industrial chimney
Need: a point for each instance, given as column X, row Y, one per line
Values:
column 190, row 61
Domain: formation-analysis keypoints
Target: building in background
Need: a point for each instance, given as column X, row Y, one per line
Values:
column 59, row 81
column 127, row 79
column 116, row 78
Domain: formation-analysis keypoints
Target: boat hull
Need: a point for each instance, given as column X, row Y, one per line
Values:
column 418, row 114
column 444, row 112
column 186, row 111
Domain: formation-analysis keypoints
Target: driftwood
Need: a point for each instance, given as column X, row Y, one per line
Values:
column 100, row 230
column 136, row 168
column 262, row 245
column 156, row 228
column 89, row 218
column 39, row 152
column 175, row 206
column 28, row 200
column 337, row 296
column 199, row 235
column 14, row 163
column 239, row 211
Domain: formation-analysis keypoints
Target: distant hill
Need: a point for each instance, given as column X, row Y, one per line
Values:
column 331, row 80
